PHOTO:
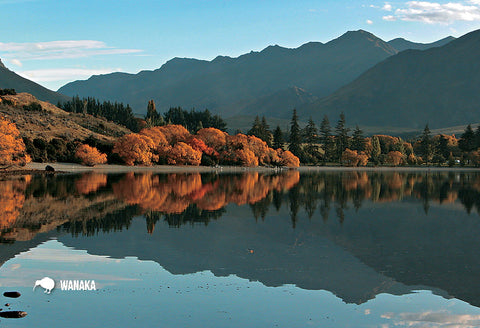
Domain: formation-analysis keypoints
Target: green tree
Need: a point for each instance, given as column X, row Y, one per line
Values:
column 278, row 140
column 311, row 152
column 267, row 135
column 358, row 140
column 153, row 118
column 325, row 139
column 426, row 145
column 256, row 129
column 376, row 150
column 295, row 139
column 341, row 136
column 477, row 136
column 468, row 142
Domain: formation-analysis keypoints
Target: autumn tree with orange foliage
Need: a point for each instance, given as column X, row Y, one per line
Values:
column 212, row 137
column 350, row 157
column 395, row 158
column 162, row 146
column 90, row 156
column 183, row 154
column 174, row 133
column 12, row 148
column 135, row 149
column 286, row 158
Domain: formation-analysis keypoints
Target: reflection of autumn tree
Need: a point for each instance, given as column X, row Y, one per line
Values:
column 12, row 197
column 174, row 194
column 90, row 182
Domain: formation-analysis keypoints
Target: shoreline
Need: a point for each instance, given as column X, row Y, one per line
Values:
column 64, row 168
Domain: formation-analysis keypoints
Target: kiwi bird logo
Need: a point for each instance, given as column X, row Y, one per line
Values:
column 46, row 283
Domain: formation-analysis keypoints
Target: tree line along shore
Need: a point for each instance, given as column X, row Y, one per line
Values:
column 181, row 137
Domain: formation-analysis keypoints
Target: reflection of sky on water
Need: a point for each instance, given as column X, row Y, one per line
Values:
column 142, row 293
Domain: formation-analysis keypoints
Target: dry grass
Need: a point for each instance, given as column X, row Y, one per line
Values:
column 53, row 122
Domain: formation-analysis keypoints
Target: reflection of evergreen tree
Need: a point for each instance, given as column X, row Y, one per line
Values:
column 260, row 208
column 191, row 216
column 293, row 197
column 116, row 221
column 277, row 199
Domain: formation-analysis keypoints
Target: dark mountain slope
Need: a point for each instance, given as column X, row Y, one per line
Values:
column 11, row 80
column 439, row 86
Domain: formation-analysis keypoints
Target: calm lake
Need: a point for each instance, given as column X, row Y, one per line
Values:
column 320, row 249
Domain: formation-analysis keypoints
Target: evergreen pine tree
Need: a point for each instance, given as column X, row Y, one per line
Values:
column 358, row 140
column 278, row 140
column 325, row 139
column 426, row 144
column 311, row 138
column 266, row 133
column 468, row 141
column 376, row 150
column 477, row 137
column 256, row 129
column 295, row 139
column 341, row 137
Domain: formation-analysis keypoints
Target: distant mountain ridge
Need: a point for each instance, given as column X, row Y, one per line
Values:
column 438, row 86
column 11, row 80
column 401, row 44
column 228, row 85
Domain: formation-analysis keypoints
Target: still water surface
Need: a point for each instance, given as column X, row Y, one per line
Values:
column 339, row 249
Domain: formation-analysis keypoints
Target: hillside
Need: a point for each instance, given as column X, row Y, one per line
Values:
column 11, row 80
column 438, row 86
column 54, row 122
column 229, row 86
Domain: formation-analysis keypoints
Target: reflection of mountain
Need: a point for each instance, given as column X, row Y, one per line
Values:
column 401, row 241
column 366, row 232
column 280, row 255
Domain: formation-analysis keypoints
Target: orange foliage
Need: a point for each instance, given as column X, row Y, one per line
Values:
column 90, row 182
column 350, row 157
column 362, row 159
column 12, row 197
column 182, row 154
column 178, row 191
column 90, row 156
column 12, row 148
column 199, row 145
column 174, row 133
column 394, row 158
column 135, row 149
column 286, row 158
column 212, row 137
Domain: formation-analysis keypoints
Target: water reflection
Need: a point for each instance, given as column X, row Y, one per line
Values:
column 191, row 198
column 356, row 234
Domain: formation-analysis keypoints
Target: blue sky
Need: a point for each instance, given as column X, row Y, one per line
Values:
column 54, row 42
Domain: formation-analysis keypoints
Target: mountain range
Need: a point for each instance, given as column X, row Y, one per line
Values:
column 438, row 86
column 379, row 85
column 229, row 86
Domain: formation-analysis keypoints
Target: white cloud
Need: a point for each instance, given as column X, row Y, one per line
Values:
column 61, row 74
column 387, row 7
column 16, row 62
column 60, row 49
column 437, row 13
column 389, row 18
column 440, row 319
column 369, row 22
